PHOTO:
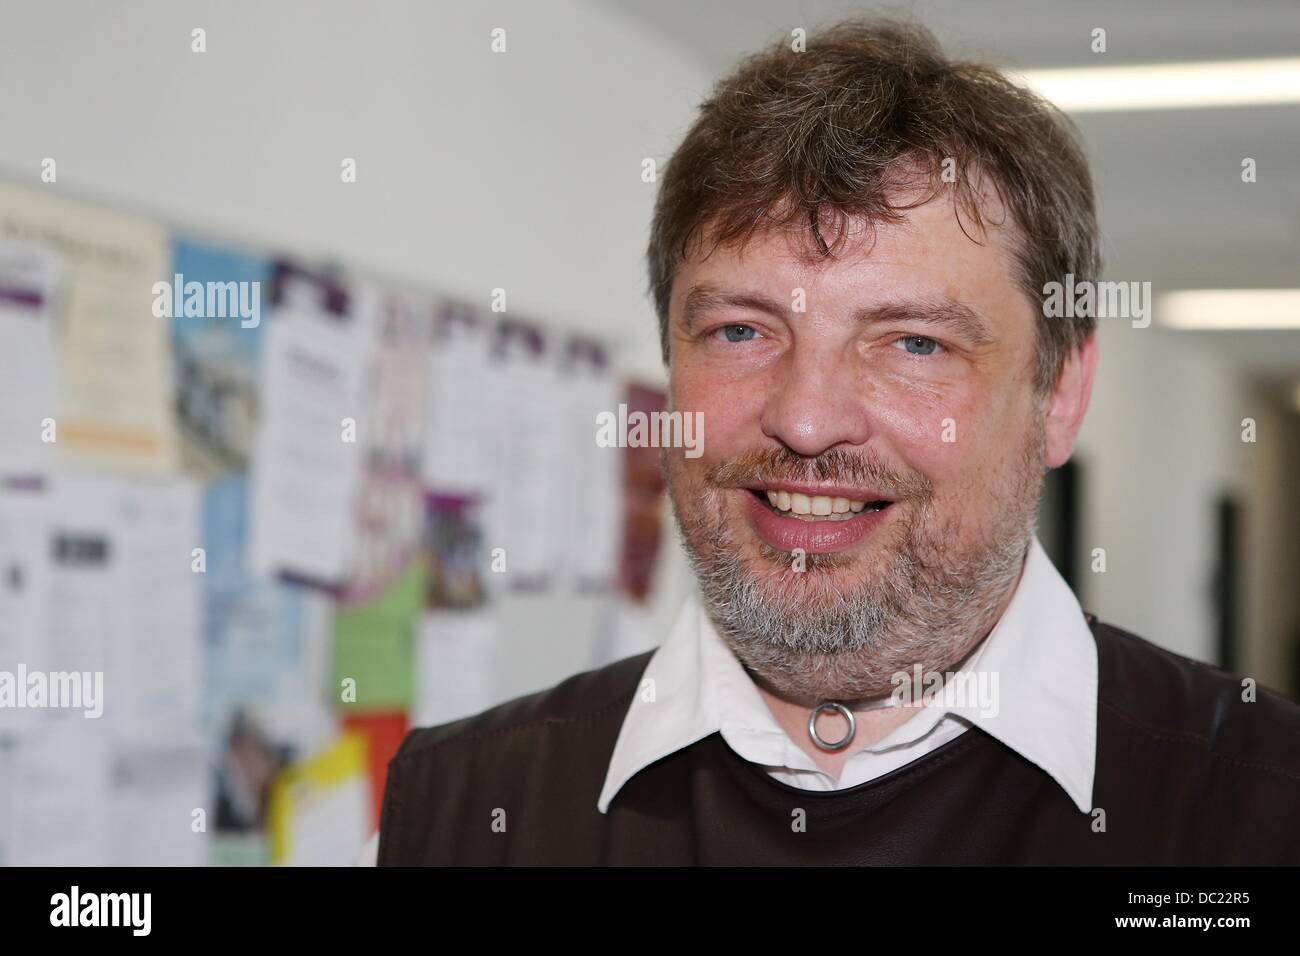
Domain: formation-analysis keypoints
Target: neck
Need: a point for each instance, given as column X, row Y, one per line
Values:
column 873, row 721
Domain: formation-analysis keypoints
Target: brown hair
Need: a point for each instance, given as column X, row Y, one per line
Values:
column 831, row 133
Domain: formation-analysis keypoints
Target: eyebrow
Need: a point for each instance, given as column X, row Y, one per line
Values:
column 962, row 319
column 945, row 312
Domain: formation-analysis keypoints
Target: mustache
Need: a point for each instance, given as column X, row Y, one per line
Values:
column 835, row 465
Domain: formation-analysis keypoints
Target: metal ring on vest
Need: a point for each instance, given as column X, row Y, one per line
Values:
column 838, row 708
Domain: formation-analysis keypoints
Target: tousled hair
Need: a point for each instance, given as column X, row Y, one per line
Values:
column 870, row 110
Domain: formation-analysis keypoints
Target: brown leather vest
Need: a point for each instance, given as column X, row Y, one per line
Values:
column 1187, row 773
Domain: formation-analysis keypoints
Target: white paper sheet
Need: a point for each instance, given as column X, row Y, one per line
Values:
column 154, row 794
column 330, row 828
column 58, row 778
column 126, row 601
column 24, row 589
column 461, row 426
column 593, row 519
column 304, row 474
column 529, row 476
column 457, row 666
column 29, row 309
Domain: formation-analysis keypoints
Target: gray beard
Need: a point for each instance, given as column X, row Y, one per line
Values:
column 809, row 640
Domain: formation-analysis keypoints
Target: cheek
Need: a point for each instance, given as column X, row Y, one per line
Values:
column 731, row 413
column 916, row 417
column 955, row 435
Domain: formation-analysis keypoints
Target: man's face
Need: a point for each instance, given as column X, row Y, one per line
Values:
column 899, row 399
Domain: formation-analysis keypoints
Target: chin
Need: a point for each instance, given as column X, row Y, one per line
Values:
column 824, row 581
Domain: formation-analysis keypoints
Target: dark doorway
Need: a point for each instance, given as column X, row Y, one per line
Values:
column 1227, row 580
column 1058, row 522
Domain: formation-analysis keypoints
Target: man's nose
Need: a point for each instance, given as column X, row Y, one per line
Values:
column 817, row 401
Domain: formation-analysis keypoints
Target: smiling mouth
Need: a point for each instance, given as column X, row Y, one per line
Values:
column 813, row 508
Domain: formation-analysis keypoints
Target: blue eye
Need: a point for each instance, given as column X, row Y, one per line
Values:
column 738, row 333
column 917, row 345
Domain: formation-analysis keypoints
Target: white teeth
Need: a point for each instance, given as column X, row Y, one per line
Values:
column 812, row 507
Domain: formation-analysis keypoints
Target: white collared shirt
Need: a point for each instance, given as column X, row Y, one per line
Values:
column 1040, row 662
column 1041, row 654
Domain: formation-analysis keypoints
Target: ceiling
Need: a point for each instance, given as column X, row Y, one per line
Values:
column 1173, row 208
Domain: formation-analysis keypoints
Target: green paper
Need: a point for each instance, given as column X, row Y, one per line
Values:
column 374, row 644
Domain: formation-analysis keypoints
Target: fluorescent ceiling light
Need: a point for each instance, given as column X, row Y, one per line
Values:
column 1230, row 309
column 1164, row 86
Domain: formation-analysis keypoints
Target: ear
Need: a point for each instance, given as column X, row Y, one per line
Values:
column 1068, row 401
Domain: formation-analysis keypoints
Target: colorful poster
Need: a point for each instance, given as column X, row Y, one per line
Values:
column 384, row 733
column 263, row 700
column 379, row 604
column 643, row 503
column 217, row 336
column 257, row 657
column 319, row 810
column 389, row 506
column 115, row 373
column 454, row 553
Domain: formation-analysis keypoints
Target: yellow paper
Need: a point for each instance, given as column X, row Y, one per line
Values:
column 114, row 406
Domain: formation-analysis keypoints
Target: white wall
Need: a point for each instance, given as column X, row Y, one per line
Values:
column 1161, row 440
column 477, row 170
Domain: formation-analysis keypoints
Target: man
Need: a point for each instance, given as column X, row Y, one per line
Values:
column 848, row 258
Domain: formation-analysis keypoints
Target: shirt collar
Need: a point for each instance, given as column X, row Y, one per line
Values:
column 1041, row 654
